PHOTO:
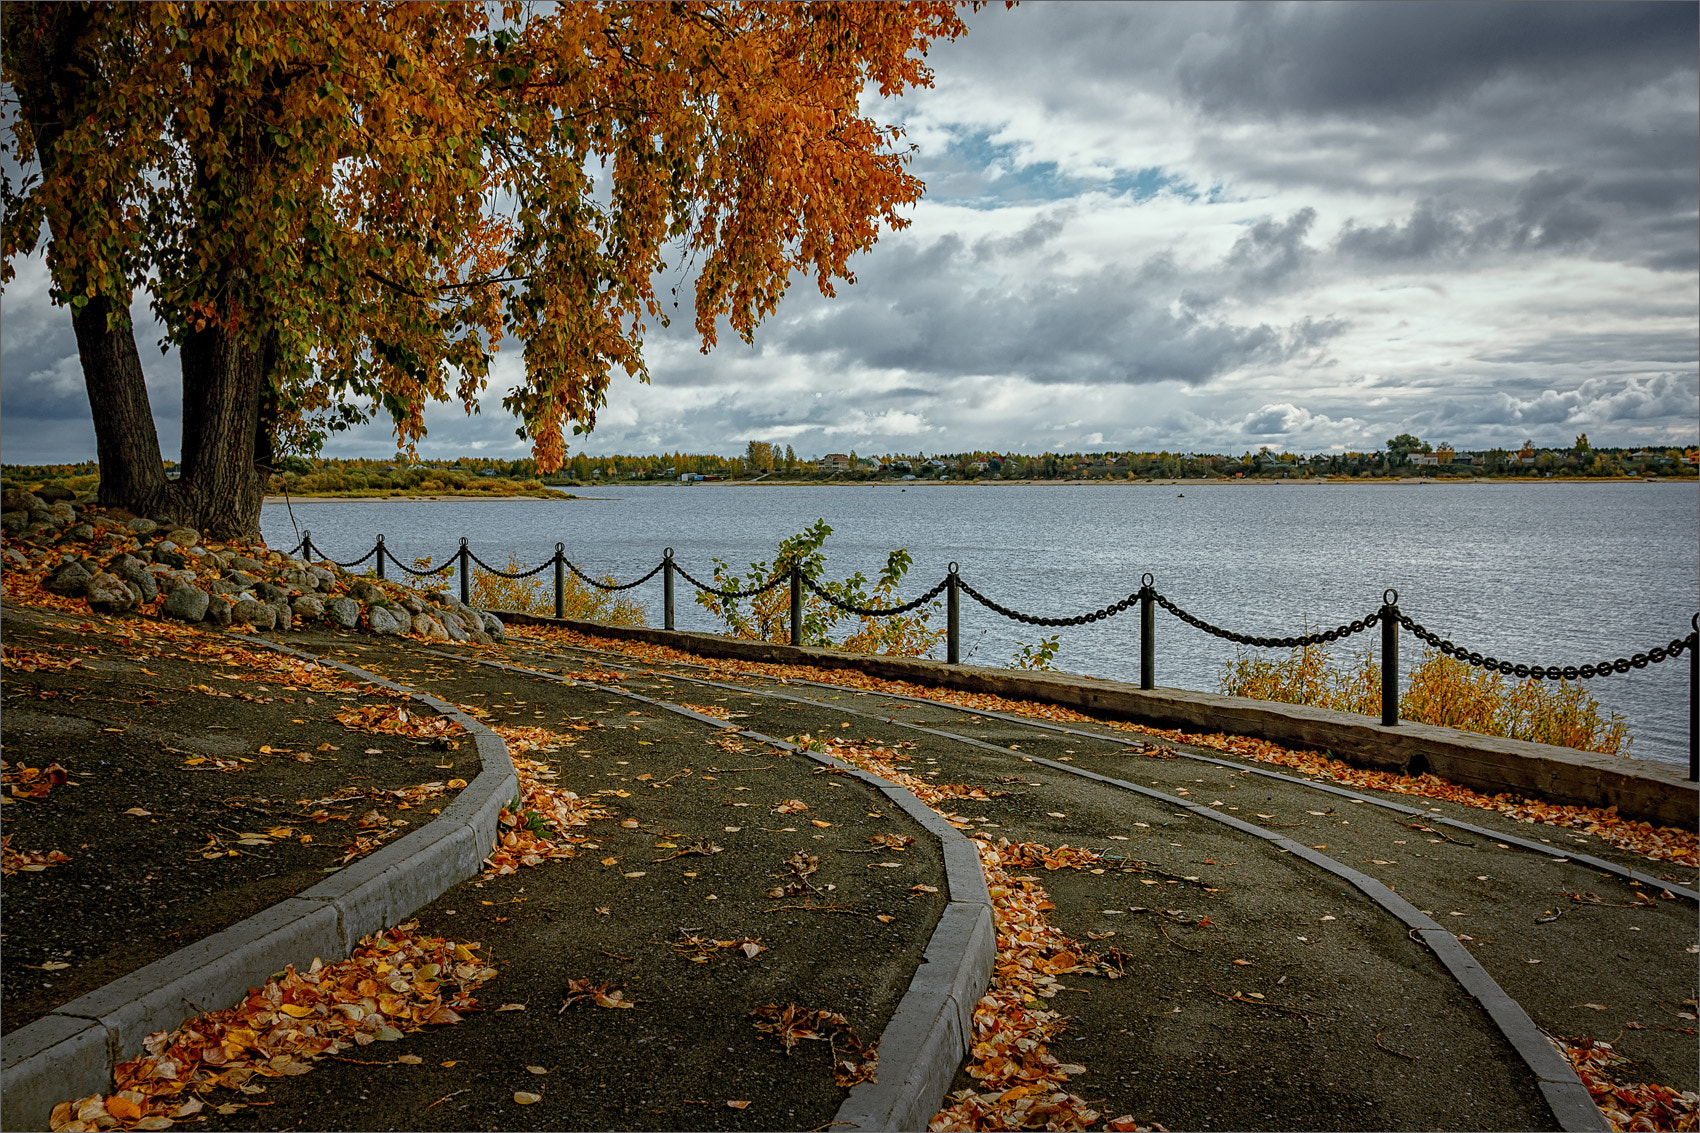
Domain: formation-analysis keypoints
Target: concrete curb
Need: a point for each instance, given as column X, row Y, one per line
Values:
column 73, row 1051
column 1640, row 789
column 929, row 1034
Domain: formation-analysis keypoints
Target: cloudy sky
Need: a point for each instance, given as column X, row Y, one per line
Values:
column 1192, row 227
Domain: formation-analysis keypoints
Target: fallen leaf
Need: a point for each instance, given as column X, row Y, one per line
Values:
column 737, row 1105
column 537, row 1069
column 818, row 822
column 525, row 1097
column 409, row 1059
column 883, row 918
column 634, row 873
column 630, row 824
column 510, row 1007
column 1243, row 963
column 139, row 812
column 54, row 966
column 1595, row 1006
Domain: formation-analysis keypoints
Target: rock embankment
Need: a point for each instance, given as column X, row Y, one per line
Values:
column 66, row 546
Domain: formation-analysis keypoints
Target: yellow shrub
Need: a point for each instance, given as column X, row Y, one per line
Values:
column 536, row 595
column 1440, row 690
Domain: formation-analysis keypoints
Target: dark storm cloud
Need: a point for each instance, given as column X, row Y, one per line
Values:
column 1405, row 58
column 928, row 309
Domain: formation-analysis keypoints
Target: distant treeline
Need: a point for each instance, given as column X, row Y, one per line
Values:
column 1405, row 456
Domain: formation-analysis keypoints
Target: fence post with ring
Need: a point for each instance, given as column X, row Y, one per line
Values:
column 560, row 580
column 953, row 616
column 796, row 603
column 1147, row 632
column 307, row 545
column 667, row 588
column 465, row 572
column 1389, row 658
column 380, row 553
column 1694, row 700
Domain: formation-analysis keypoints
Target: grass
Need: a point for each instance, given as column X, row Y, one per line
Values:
column 1441, row 690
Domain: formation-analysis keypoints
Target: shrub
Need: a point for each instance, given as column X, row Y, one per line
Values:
column 1037, row 657
column 768, row 615
column 1441, row 690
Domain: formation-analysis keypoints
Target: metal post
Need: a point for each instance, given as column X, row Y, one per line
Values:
column 1389, row 658
column 560, row 580
column 307, row 545
column 380, row 554
column 1694, row 700
column 465, row 572
column 953, row 616
column 1147, row 632
column 796, row 604
column 667, row 588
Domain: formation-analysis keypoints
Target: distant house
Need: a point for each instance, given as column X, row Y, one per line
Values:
column 1429, row 458
column 689, row 477
column 835, row 462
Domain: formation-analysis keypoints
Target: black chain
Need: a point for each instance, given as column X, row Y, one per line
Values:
column 419, row 573
column 504, row 574
column 332, row 561
column 870, row 612
column 1357, row 625
column 619, row 585
column 1109, row 611
column 1551, row 672
column 776, row 580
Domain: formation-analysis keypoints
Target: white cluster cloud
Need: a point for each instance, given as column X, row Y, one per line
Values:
column 1196, row 227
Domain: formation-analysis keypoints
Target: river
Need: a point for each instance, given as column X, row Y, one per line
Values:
column 1540, row 573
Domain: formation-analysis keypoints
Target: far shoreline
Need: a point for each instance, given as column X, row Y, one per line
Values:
column 1216, row 482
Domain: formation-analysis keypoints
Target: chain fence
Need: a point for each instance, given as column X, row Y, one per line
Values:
column 1388, row 617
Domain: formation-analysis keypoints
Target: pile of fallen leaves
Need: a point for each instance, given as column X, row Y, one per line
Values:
column 534, row 826
column 395, row 720
column 1022, row 1085
column 790, row 1025
column 26, row 861
column 27, row 660
column 392, row 984
column 1628, row 1105
column 21, row 782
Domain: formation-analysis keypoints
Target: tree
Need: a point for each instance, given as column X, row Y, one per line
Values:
column 1401, row 447
column 340, row 209
column 1583, row 448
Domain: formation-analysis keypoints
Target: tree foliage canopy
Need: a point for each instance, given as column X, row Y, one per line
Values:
column 360, row 200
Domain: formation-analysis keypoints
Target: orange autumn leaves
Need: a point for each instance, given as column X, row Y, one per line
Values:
column 1627, row 1105
column 533, row 828
column 394, row 983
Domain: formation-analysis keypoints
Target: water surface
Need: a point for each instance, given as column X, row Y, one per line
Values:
column 1539, row 573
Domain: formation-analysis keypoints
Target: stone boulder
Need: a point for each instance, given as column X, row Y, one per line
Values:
column 362, row 591
column 269, row 594
column 308, row 606
column 14, row 522
column 252, row 613
column 188, row 603
column 109, row 594
column 70, row 580
column 140, row 526
column 412, row 604
column 133, row 572
column 244, row 563
column 343, row 611
column 53, row 494
column 429, row 628
column 385, row 620
column 218, row 613
column 61, row 513
column 184, row 537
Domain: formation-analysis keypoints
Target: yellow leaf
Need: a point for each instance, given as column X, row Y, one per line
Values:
column 525, row 1097
column 818, row 822
column 510, row 1007
column 139, row 812
column 456, row 784
column 537, row 1069
column 634, row 873
column 409, row 1059
column 296, row 1010
column 737, row 1105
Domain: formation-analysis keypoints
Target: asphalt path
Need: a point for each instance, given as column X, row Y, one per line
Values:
column 1337, row 1017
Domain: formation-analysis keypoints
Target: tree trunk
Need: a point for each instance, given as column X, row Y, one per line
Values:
column 131, row 473
column 222, row 378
